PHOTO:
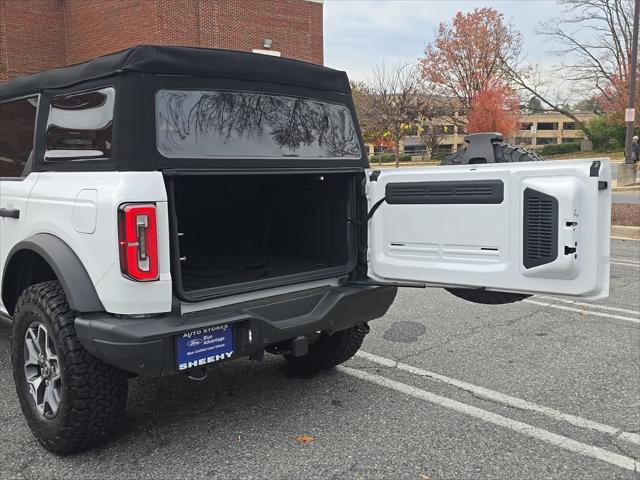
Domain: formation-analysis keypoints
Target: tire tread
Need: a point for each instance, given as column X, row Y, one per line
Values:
column 95, row 392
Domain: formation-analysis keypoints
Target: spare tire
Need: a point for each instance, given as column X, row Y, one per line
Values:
column 503, row 153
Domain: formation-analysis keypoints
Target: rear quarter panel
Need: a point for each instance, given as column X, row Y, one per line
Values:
column 69, row 204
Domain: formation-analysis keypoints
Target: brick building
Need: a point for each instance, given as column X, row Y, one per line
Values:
column 39, row 34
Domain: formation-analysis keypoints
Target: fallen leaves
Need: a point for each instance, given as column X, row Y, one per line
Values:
column 304, row 438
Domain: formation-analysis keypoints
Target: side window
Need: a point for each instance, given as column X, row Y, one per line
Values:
column 17, row 127
column 80, row 126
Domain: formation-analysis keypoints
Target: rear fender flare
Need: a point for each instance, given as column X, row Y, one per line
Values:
column 69, row 270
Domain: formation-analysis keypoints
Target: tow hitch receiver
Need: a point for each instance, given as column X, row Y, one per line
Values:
column 300, row 346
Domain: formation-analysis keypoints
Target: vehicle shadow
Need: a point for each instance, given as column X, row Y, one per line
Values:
column 230, row 403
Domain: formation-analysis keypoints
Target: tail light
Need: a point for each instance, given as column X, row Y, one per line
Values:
column 138, row 241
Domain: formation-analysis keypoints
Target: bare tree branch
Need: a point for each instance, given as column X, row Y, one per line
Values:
column 397, row 100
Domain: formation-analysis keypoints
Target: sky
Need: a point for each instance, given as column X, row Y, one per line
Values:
column 361, row 33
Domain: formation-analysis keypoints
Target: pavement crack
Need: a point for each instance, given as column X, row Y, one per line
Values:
column 448, row 339
column 472, row 331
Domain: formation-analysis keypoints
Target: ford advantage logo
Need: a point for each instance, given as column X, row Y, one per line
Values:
column 194, row 343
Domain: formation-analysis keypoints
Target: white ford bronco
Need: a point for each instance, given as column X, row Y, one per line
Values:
column 166, row 208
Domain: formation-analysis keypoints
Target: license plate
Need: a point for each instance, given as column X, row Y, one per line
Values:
column 203, row 346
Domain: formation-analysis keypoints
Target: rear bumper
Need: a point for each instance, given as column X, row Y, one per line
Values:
column 146, row 346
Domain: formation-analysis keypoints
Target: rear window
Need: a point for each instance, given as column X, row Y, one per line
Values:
column 212, row 124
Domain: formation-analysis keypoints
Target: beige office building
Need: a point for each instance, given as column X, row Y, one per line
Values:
column 536, row 130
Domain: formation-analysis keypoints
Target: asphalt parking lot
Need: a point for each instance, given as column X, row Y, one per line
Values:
column 443, row 389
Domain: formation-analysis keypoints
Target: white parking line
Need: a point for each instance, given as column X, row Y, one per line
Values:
column 495, row 419
column 582, row 311
column 625, row 260
column 627, row 264
column 505, row 399
column 592, row 305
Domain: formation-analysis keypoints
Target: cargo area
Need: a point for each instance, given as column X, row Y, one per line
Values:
column 245, row 232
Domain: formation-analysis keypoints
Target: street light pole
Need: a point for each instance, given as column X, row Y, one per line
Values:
column 630, row 114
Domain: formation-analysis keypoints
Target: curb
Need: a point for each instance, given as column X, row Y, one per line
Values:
column 625, row 239
column 623, row 232
column 631, row 188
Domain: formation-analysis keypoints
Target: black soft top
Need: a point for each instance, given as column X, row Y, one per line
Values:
column 189, row 61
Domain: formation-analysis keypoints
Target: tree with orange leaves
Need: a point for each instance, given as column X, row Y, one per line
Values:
column 468, row 53
column 494, row 108
column 613, row 96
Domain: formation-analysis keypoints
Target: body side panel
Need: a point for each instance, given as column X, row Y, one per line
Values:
column 51, row 208
column 14, row 194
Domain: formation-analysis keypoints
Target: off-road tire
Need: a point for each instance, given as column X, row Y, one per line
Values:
column 504, row 153
column 93, row 394
column 330, row 351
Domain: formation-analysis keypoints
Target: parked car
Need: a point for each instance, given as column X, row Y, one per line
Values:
column 163, row 209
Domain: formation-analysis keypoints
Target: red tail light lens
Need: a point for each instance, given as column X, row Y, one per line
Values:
column 138, row 241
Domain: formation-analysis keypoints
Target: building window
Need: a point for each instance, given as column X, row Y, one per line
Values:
column 80, row 126
column 17, row 128
column 523, row 141
column 377, row 149
column 569, row 126
column 526, row 125
column 546, row 141
column 414, row 149
column 548, row 126
column 443, row 149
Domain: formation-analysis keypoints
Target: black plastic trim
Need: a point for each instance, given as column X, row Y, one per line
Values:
column 442, row 193
column 146, row 345
column 594, row 171
column 480, row 147
column 68, row 268
column 176, row 172
column 9, row 213
column 376, row 283
column 540, row 228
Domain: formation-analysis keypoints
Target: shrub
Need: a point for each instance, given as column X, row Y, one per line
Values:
column 388, row 158
column 439, row 156
column 559, row 149
column 607, row 133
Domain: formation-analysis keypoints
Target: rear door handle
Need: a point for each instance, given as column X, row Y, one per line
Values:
column 9, row 212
